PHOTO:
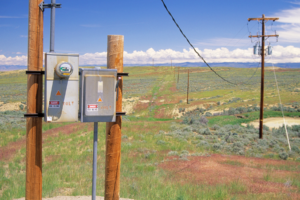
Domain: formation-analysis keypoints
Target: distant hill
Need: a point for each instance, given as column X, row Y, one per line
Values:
column 185, row 64
column 11, row 67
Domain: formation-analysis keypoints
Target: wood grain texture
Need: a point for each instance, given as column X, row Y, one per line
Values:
column 34, row 103
column 115, row 48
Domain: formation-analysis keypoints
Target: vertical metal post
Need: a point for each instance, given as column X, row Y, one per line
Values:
column 262, row 79
column 52, row 26
column 95, row 160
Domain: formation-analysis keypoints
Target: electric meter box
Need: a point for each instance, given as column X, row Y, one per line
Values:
column 61, row 87
column 97, row 95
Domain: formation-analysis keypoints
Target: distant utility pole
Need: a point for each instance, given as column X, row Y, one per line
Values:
column 263, row 20
column 178, row 76
column 188, row 85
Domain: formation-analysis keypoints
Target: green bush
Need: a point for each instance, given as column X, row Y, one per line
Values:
column 283, row 155
column 160, row 142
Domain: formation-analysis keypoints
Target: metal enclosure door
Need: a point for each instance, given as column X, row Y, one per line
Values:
column 98, row 95
column 61, row 94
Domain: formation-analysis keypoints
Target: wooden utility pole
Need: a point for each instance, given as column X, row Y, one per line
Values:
column 188, row 85
column 178, row 76
column 34, row 103
column 263, row 20
column 115, row 48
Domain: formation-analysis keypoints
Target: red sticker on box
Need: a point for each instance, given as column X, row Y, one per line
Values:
column 54, row 104
column 92, row 107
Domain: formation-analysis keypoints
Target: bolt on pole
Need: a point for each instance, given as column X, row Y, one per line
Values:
column 115, row 48
column 34, row 103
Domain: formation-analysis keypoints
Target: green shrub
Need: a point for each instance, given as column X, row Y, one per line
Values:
column 295, row 149
column 173, row 153
column 160, row 142
column 283, row 155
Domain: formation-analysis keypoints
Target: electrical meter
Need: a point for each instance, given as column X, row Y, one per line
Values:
column 64, row 70
column 98, row 95
column 61, row 87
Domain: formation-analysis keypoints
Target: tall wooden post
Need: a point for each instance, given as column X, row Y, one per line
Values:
column 261, row 116
column 263, row 19
column 115, row 48
column 34, row 103
column 187, row 89
column 178, row 76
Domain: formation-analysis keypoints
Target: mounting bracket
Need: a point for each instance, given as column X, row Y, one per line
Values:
column 42, row 5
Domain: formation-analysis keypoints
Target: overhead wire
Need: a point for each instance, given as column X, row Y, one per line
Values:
column 196, row 50
column 194, row 47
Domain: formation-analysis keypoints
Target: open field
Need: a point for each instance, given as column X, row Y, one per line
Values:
column 170, row 149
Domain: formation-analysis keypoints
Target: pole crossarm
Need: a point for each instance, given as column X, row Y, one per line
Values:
column 265, row 19
column 258, row 36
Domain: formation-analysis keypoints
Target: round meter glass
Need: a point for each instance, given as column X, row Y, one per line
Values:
column 64, row 70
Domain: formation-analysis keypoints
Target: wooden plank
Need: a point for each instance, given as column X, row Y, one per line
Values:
column 34, row 103
column 115, row 48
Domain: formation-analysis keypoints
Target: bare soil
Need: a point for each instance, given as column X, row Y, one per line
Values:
column 224, row 169
column 73, row 198
column 276, row 122
column 10, row 150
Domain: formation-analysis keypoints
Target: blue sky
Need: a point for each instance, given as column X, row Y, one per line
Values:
column 218, row 28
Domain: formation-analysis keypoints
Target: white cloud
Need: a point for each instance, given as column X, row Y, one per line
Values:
column 290, row 25
column 17, row 60
column 280, row 55
column 288, row 54
column 24, row 36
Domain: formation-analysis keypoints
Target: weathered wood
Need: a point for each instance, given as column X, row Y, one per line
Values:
column 34, row 103
column 115, row 48
column 258, row 36
column 266, row 19
column 262, row 85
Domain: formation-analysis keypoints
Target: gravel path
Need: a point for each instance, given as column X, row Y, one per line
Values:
column 72, row 198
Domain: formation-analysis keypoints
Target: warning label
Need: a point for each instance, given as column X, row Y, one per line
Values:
column 92, row 107
column 54, row 104
column 99, row 99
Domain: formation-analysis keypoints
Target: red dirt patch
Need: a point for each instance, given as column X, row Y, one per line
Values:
column 214, row 170
column 10, row 150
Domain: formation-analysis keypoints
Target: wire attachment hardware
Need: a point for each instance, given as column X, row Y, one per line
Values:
column 42, row 5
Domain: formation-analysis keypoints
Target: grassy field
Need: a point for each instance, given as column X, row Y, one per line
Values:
column 170, row 149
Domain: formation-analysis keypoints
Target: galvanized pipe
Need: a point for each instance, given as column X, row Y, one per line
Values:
column 52, row 26
column 95, row 160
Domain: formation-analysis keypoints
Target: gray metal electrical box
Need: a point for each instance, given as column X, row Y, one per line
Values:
column 61, row 87
column 97, row 95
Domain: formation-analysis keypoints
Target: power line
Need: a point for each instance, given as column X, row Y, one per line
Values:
column 194, row 47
